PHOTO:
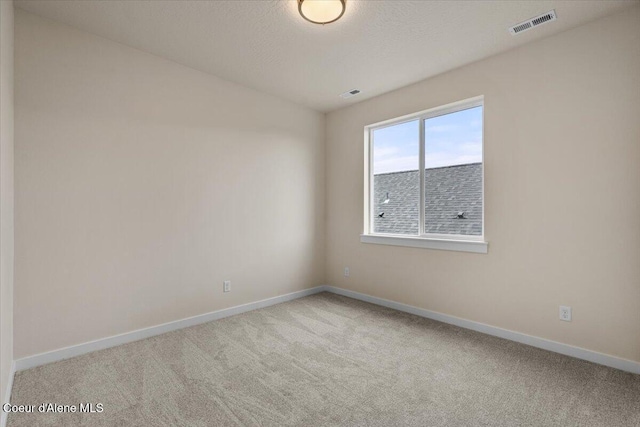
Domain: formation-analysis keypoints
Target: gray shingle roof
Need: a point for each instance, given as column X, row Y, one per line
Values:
column 448, row 191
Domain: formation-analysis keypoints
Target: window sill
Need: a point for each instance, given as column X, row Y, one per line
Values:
column 475, row 246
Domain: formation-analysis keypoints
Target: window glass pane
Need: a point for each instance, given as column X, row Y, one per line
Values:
column 453, row 175
column 396, row 180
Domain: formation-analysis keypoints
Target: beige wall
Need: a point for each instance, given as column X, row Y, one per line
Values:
column 142, row 184
column 6, row 194
column 562, row 166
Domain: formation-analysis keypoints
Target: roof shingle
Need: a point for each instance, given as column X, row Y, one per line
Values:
column 449, row 191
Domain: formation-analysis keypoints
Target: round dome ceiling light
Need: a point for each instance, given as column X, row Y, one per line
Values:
column 321, row 11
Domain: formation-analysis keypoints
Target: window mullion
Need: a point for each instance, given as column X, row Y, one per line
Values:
column 421, row 163
column 371, row 180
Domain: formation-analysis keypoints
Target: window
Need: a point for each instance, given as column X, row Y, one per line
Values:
column 425, row 179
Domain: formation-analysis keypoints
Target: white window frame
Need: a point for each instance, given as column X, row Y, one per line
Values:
column 453, row 242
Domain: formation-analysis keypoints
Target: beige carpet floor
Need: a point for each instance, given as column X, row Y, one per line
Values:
column 328, row 360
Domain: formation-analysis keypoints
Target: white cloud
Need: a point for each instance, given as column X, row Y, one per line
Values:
column 448, row 159
column 395, row 164
column 440, row 152
column 382, row 152
column 466, row 152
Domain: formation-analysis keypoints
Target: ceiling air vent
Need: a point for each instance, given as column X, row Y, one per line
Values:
column 349, row 94
column 533, row 22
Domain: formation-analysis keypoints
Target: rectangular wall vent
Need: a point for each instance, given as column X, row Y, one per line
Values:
column 533, row 22
column 349, row 94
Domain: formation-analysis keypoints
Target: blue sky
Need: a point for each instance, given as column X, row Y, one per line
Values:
column 451, row 139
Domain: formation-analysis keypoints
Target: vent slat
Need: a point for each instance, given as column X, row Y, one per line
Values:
column 349, row 94
column 533, row 22
column 541, row 20
column 522, row 27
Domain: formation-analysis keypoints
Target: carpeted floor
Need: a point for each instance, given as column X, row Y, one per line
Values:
column 329, row 360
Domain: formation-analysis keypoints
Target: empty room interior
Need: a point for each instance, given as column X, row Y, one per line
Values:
column 320, row 213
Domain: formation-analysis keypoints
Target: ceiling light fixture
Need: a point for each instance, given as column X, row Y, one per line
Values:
column 322, row 11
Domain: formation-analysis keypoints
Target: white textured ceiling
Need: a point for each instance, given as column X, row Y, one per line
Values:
column 376, row 47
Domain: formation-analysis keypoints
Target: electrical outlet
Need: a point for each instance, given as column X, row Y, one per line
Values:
column 565, row 313
column 226, row 286
column 346, row 272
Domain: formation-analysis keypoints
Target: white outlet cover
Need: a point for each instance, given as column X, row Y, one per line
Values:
column 226, row 286
column 565, row 313
column 346, row 272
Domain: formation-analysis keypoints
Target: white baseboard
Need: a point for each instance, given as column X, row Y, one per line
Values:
column 557, row 347
column 100, row 344
column 4, row 415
